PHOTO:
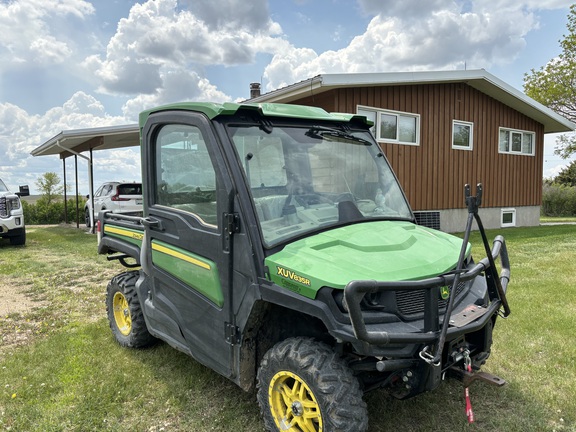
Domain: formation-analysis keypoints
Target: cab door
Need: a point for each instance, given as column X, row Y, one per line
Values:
column 185, row 242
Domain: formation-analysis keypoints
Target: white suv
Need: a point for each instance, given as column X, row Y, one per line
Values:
column 117, row 197
column 12, row 215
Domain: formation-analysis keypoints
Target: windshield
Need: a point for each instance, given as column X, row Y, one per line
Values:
column 3, row 187
column 308, row 178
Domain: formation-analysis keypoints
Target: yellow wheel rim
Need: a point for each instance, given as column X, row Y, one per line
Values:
column 293, row 405
column 122, row 313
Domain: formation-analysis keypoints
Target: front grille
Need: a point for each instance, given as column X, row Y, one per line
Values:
column 412, row 302
column 3, row 207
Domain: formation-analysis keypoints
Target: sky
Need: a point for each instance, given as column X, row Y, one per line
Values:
column 74, row 64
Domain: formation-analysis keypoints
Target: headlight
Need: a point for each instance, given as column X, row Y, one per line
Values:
column 13, row 203
column 370, row 301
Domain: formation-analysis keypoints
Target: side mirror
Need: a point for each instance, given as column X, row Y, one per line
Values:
column 24, row 191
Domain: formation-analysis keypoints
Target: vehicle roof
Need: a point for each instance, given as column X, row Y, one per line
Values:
column 120, row 182
column 213, row 110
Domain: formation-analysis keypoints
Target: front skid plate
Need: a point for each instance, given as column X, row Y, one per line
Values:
column 470, row 313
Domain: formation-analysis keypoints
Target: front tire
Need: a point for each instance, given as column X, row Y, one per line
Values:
column 87, row 218
column 125, row 313
column 20, row 238
column 303, row 385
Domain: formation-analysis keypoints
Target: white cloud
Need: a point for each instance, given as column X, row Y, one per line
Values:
column 157, row 36
column 126, row 75
column 32, row 30
column 413, row 9
column 177, row 85
column 417, row 9
column 434, row 35
column 117, row 165
column 232, row 14
column 49, row 50
column 21, row 132
column 295, row 64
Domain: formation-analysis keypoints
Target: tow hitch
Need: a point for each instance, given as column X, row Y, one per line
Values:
column 468, row 378
column 461, row 357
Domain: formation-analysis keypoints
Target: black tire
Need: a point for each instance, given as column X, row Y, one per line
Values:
column 18, row 239
column 87, row 218
column 303, row 385
column 125, row 313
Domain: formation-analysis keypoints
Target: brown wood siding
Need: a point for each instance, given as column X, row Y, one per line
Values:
column 433, row 174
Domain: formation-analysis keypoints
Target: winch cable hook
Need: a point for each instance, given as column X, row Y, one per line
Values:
column 468, row 368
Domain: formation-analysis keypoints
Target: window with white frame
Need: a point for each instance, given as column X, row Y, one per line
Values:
column 393, row 126
column 508, row 218
column 516, row 142
column 462, row 135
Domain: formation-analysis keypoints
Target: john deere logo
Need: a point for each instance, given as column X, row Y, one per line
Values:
column 444, row 292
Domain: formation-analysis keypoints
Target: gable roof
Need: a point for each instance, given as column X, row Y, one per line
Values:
column 478, row 79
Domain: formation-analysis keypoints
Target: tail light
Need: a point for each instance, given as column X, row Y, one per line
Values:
column 98, row 231
column 116, row 197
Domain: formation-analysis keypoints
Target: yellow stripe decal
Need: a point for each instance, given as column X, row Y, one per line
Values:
column 123, row 232
column 180, row 255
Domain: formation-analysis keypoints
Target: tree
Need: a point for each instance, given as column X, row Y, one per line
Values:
column 554, row 85
column 567, row 176
column 49, row 185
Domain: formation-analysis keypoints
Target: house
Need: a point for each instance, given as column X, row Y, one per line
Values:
column 442, row 130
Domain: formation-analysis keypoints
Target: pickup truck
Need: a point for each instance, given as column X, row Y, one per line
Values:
column 277, row 248
column 11, row 215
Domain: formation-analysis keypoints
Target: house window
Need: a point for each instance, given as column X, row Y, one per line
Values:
column 462, row 135
column 508, row 218
column 393, row 126
column 516, row 142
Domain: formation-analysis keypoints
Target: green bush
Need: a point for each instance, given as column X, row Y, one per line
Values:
column 44, row 213
column 558, row 200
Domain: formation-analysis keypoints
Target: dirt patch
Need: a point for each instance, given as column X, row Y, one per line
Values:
column 51, row 283
column 14, row 301
column 16, row 305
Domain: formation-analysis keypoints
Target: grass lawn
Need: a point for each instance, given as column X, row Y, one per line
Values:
column 60, row 369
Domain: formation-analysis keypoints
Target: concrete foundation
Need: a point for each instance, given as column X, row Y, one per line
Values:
column 454, row 220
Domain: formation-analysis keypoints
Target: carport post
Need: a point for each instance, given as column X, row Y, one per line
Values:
column 89, row 159
column 91, row 202
column 65, row 195
column 77, row 203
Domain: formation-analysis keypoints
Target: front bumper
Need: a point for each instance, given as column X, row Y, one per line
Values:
column 14, row 222
column 467, row 318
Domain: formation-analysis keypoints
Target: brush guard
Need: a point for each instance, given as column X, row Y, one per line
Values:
column 433, row 335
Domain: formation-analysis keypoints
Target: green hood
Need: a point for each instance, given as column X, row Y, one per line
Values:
column 383, row 250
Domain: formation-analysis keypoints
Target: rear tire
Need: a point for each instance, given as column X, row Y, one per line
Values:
column 125, row 313
column 303, row 385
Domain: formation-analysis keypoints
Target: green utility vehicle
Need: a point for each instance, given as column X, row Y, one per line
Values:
column 278, row 249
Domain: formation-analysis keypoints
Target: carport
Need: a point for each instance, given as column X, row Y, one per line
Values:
column 76, row 142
